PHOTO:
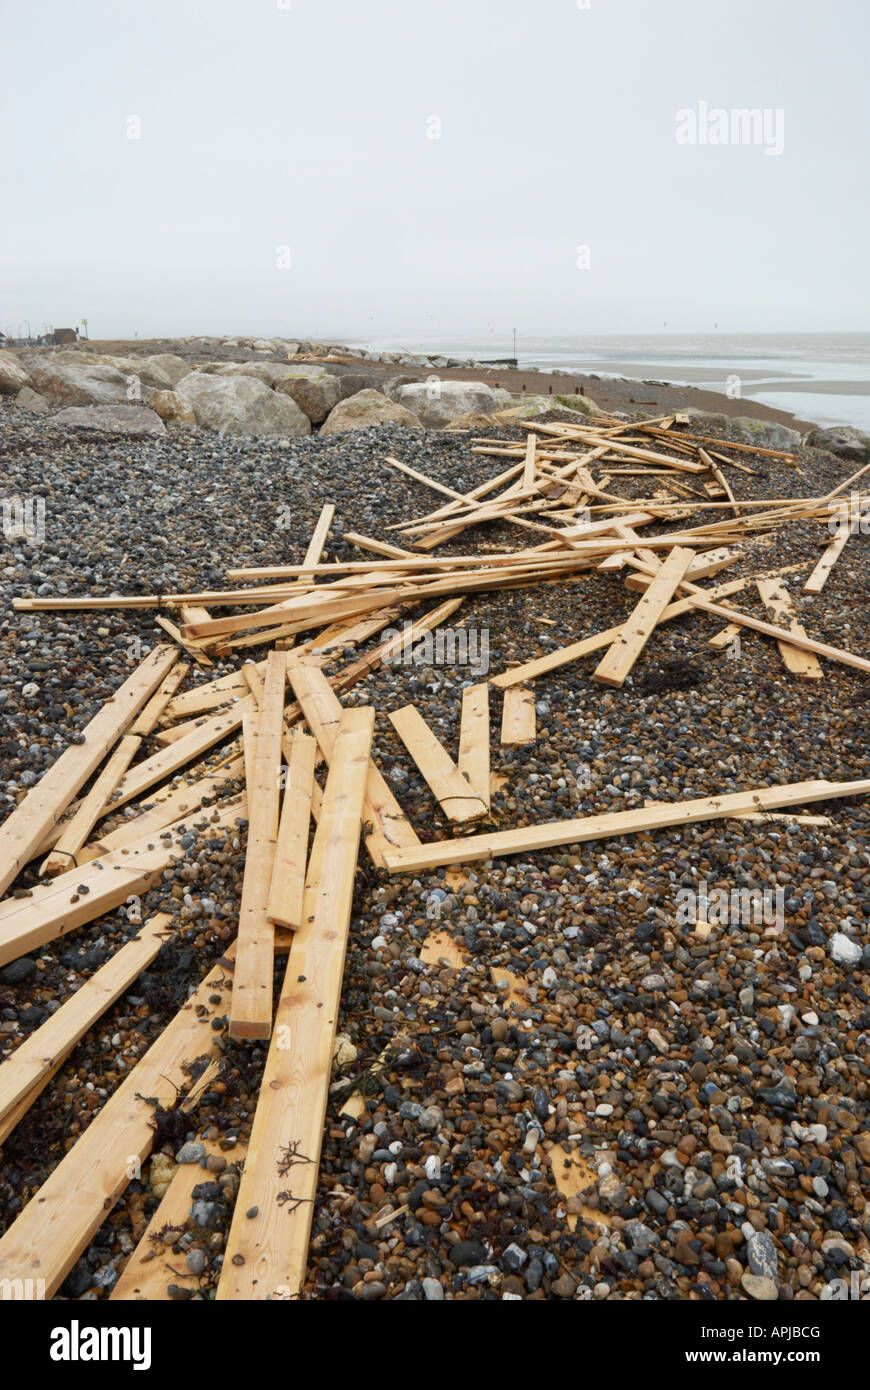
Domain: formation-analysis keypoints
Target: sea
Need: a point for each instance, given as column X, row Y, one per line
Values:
column 818, row 377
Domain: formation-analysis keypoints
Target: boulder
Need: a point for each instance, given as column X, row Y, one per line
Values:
column 710, row 422
column 13, row 377
column 842, row 440
column 267, row 372
column 368, row 408
column 27, row 399
column 391, row 386
column 130, row 420
column 437, row 403
column 241, row 405
column 68, row 379
column 173, row 410
column 172, row 367
column 767, row 434
column 315, row 392
column 352, row 383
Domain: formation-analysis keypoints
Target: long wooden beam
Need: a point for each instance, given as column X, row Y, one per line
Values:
column 451, row 790
column 267, row 1249
column 527, row 839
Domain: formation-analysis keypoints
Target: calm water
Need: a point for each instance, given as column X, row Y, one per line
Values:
column 816, row 376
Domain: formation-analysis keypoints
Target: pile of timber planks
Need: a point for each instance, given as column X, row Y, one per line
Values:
column 248, row 742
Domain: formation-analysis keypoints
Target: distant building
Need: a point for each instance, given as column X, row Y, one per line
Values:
column 65, row 335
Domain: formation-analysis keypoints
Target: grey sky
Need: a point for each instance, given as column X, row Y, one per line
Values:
column 308, row 127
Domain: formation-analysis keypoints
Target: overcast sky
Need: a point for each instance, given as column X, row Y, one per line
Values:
column 556, row 198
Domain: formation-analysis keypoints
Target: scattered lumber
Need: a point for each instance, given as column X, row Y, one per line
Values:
column 518, row 716
column 636, row 632
column 819, row 577
column 267, row 1247
column 778, row 603
column 77, row 830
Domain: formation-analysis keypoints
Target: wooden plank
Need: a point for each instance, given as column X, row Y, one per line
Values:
column 518, row 716
column 636, row 632
column 451, row 790
column 808, row 644
column 62, row 1218
column 317, row 542
column 529, row 465
column 779, row 606
column 528, row 839
column 473, row 759
column 251, row 1015
column 390, row 827
column 284, row 907
column 33, row 1062
column 158, row 704
column 529, row 670
column 24, row 830
column 91, row 808
column 819, row 577
column 254, row 681
column 167, row 761
column 267, row 1252
column 153, row 1268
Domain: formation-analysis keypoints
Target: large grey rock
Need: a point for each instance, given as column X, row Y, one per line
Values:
column 315, row 392
column 67, row 379
column 352, row 383
column 437, row 403
column 767, row 434
column 241, row 405
column 13, row 377
column 842, row 440
column 368, row 408
column 710, row 422
column 267, row 372
column 142, row 376
column 130, row 420
column 172, row 366
column 28, row 399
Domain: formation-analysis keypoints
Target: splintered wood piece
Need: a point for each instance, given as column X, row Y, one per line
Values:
column 284, row 907
column 158, row 704
column 91, row 808
column 23, row 832
column 251, row 1015
column 526, row 839
column 267, row 1247
column 518, row 716
column 619, row 660
column 778, row 602
column 473, row 760
column 530, row 669
column 440, row 945
column 61, row 1219
column 390, row 827
column 447, row 784
column 32, row 1064
column 152, row 1268
column 819, row 577
column 171, row 806
column 254, row 682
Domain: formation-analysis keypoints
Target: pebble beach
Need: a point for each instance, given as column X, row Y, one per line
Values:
column 547, row 1085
